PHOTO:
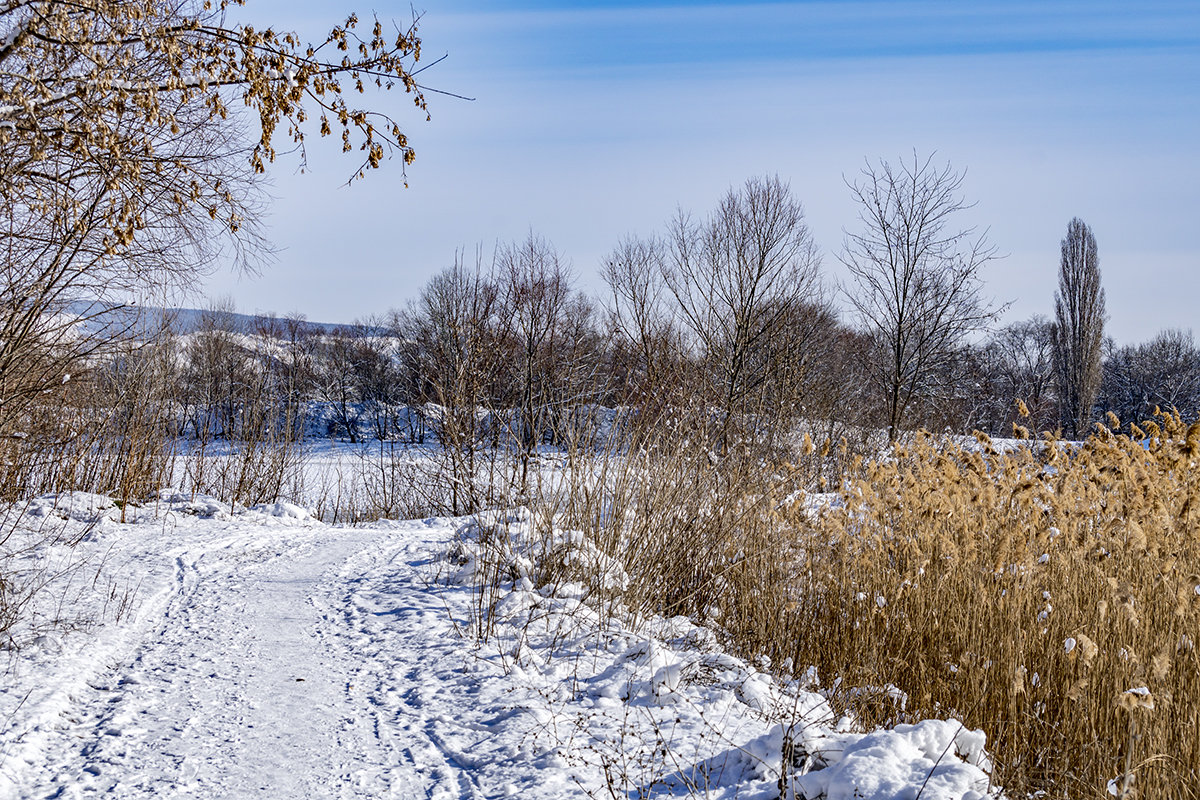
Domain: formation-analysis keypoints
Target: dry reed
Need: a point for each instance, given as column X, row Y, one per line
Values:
column 1047, row 593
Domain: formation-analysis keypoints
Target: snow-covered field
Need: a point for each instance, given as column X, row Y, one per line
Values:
column 195, row 652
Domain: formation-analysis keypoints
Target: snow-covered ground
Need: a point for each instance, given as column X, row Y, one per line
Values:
column 191, row 652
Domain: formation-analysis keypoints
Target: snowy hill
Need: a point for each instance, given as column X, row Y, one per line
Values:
column 141, row 320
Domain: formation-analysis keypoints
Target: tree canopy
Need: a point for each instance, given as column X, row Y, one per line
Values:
column 114, row 96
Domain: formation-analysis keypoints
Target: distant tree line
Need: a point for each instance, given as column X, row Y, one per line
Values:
column 723, row 317
column 727, row 311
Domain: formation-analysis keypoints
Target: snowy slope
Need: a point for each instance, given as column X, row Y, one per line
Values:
column 143, row 320
column 269, row 655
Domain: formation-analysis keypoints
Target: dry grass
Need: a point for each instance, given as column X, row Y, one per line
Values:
column 1024, row 592
column 103, row 431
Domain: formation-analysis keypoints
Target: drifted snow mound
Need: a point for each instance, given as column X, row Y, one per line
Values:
column 77, row 506
column 284, row 511
column 198, row 505
column 933, row 759
column 89, row 508
column 208, row 507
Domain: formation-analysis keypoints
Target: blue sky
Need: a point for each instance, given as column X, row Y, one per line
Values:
column 593, row 120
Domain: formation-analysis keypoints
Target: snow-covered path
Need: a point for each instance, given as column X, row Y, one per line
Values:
column 270, row 656
column 255, row 672
column 245, row 688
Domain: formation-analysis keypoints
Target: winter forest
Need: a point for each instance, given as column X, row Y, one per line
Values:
column 732, row 513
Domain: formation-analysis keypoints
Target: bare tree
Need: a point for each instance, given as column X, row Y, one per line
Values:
column 1020, row 359
column 452, row 354
column 739, row 279
column 334, row 366
column 535, row 285
column 578, row 380
column 216, row 372
column 124, row 166
column 1079, row 328
column 1162, row 373
column 377, row 377
column 644, row 335
column 915, row 278
column 290, row 345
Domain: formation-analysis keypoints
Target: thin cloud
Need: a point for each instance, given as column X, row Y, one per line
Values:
column 653, row 36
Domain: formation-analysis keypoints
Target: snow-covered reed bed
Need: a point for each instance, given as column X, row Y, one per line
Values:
column 1047, row 595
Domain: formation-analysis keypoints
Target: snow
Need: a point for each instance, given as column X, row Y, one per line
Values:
column 903, row 763
column 224, row 652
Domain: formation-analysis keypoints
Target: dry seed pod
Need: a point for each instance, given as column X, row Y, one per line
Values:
column 1192, row 441
column 1129, row 613
column 1138, row 697
column 1077, row 689
column 1087, row 649
column 1018, row 681
column 1135, row 536
column 1160, row 665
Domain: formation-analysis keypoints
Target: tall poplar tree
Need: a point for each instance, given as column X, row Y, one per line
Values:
column 1079, row 328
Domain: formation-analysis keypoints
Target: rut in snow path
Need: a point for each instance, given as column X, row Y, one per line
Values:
column 264, row 677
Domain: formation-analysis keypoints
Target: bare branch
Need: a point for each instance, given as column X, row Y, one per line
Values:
column 915, row 284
